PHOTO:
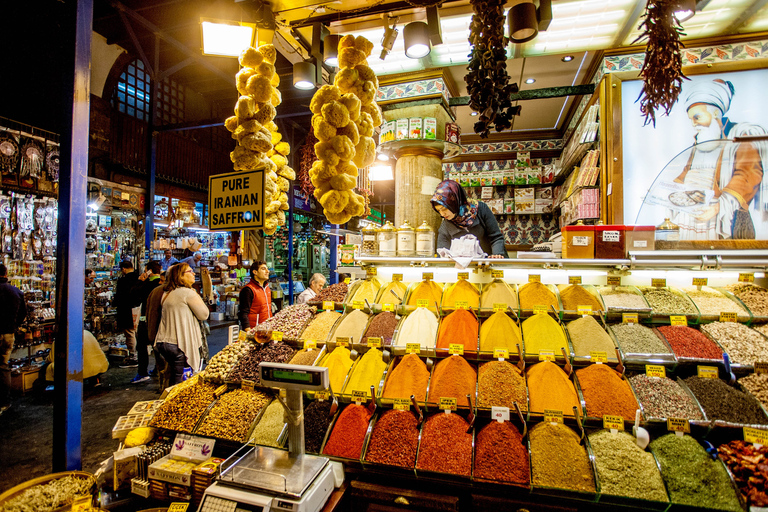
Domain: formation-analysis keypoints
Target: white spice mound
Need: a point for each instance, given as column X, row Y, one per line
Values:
column 743, row 345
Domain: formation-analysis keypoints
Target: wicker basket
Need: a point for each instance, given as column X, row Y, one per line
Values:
column 17, row 490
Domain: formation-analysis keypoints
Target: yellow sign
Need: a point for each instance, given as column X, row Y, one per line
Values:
column 374, row 342
column 236, row 200
column 464, row 275
column 448, row 404
column 462, row 304
column 500, row 306
column 84, row 503
column 700, row 281
column 598, row 357
column 397, row 277
column 553, row 416
column 629, row 318
column 427, row 276
column 370, row 271
column 328, row 304
column 402, row 404
column 322, row 395
column 678, row 425
column 746, row 278
column 546, row 355
column 540, row 310
column 497, row 274
column 388, row 307
column 708, row 372
column 277, row 336
column 247, row 385
column 653, row 370
column 755, row 435
column 359, row 396
column 456, row 349
column 574, row 280
column 728, row 316
column 614, row 281
column 614, row 422
column 501, row 353
column 178, row 507
column 422, row 303
column 412, row 348
column 584, row 310
column 310, row 344
column 534, row 278
column 358, row 304
column 347, row 280
column 761, row 367
column 342, row 341
column 678, row 320
column 659, row 283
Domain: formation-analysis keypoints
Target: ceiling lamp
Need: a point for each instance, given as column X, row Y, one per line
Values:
column 685, row 10
column 388, row 39
column 416, row 38
column 304, row 75
column 226, row 38
column 331, row 50
column 523, row 24
column 380, row 173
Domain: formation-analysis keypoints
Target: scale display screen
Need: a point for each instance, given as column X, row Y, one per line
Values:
column 291, row 376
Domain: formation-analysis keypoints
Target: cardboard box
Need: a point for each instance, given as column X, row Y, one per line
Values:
column 172, row 470
column 415, row 128
column 430, row 128
column 23, row 380
column 125, row 467
column 401, row 129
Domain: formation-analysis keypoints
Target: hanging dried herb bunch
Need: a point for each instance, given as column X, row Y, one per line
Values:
column 487, row 79
column 307, row 154
column 663, row 67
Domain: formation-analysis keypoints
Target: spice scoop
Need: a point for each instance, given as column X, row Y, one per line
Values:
column 641, row 435
column 732, row 377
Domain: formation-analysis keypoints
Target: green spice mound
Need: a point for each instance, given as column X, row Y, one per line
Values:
column 692, row 477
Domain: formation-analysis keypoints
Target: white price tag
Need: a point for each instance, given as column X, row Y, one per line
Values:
column 500, row 414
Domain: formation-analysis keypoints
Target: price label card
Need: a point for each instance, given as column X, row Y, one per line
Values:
column 659, row 283
column 708, row 372
column 746, row 278
column 322, row 395
column 540, row 310
column 497, row 274
column 178, row 507
column 574, row 279
column 500, row 306
column 728, row 316
column 84, row 503
column 402, row 404
column 388, row 307
column 462, row 304
column 500, row 414
column 370, row 271
column 553, row 416
column 464, row 275
column 678, row 425
column 678, row 320
column 347, row 280
column 700, row 281
column 328, row 304
column 653, row 370
column 342, row 341
column 546, row 355
column 614, row 281
column 427, row 276
column 456, row 349
column 359, row 396
column 358, row 304
column 629, row 318
column 598, row 357
column 761, row 367
column 534, row 278
column 501, row 353
column 310, row 344
column 447, row 404
column 422, row 303
column 374, row 342
column 247, row 385
column 277, row 336
column 397, row 277
column 412, row 348
column 613, row 422
column 755, row 436
column 584, row 310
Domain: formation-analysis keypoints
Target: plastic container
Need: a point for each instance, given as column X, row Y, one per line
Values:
column 640, row 238
column 370, row 245
column 579, row 241
column 425, row 240
column 406, row 240
column 387, row 238
column 609, row 241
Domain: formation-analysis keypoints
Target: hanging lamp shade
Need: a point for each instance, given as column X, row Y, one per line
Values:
column 523, row 25
column 304, row 75
column 331, row 50
column 416, row 39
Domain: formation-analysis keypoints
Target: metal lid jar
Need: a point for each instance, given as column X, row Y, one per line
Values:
column 667, row 231
column 370, row 245
column 425, row 240
column 406, row 240
column 387, row 238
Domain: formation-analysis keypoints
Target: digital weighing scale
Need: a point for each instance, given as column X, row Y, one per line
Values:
column 264, row 479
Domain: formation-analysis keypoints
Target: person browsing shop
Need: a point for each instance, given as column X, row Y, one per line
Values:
column 256, row 297
column 462, row 216
column 168, row 261
column 148, row 281
column 193, row 261
column 12, row 315
column 316, row 283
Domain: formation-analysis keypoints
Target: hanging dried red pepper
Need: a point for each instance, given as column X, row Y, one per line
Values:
column 307, row 155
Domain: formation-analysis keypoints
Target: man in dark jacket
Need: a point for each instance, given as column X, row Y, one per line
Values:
column 147, row 282
column 12, row 315
column 125, row 302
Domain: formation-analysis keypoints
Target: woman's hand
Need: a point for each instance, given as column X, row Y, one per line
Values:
column 496, row 256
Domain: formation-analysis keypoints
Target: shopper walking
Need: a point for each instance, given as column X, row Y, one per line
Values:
column 256, row 297
column 125, row 302
column 148, row 281
column 179, row 338
column 12, row 315
column 316, row 283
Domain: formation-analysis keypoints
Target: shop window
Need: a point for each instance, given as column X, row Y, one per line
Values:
column 131, row 96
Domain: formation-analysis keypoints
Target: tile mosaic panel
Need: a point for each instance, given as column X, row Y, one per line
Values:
column 526, row 145
column 412, row 90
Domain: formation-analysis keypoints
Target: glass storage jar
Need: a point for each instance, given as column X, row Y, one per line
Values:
column 406, row 240
column 425, row 241
column 387, row 237
column 370, row 245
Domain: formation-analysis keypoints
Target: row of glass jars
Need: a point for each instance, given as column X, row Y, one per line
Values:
column 403, row 241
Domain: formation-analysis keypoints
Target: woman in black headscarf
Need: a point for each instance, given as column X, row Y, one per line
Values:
column 463, row 216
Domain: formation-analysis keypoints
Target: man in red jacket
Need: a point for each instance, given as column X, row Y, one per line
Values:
column 255, row 297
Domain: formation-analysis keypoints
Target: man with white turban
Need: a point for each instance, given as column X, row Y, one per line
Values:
column 734, row 171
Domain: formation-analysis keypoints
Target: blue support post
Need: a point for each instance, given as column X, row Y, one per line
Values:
column 149, row 207
column 290, row 244
column 334, row 257
column 70, row 250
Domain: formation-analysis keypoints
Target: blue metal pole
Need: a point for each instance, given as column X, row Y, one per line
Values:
column 70, row 263
column 334, row 256
column 290, row 244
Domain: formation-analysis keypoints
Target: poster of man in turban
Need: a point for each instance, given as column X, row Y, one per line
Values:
column 690, row 169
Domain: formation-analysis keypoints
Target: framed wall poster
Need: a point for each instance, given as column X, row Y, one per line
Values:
column 689, row 168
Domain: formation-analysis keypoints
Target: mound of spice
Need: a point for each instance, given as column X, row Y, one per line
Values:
column 558, row 460
column 320, row 326
column 381, row 326
column 305, row 356
column 550, row 388
column 272, row 352
column 335, row 292
column 348, row 434
column 692, row 477
column 749, row 465
column 232, row 414
column 500, row 384
column 500, row 454
column 317, row 419
column 754, row 297
column 446, row 446
column 712, row 302
column 537, row 294
column 757, row 384
column 270, row 426
column 624, row 468
column 338, row 363
column 409, row 377
column 542, row 332
column 666, row 302
column 621, row 297
column 606, row 393
column 461, row 291
column 351, row 326
column 367, row 290
column 366, row 373
column 387, row 297
column 418, row 327
column 664, row 398
column 722, row 402
column 688, row 342
column 426, row 290
column 455, row 378
column 589, row 336
column 638, row 339
column 289, row 320
column 498, row 292
column 394, row 439
column 743, row 345
column 576, row 295
column 182, row 411
column 460, row 327
column 500, row 331
column 762, row 329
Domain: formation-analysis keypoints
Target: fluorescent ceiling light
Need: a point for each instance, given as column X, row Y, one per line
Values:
column 380, row 173
column 530, row 80
column 226, row 38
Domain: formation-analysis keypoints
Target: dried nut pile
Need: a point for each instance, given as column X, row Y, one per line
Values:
column 666, row 302
column 248, row 367
column 182, row 412
column 638, row 339
column 743, row 345
column 712, row 302
column 320, row 326
column 621, row 298
column 664, row 398
column 222, row 363
column 305, row 356
column 762, row 328
column 232, row 415
column 335, row 292
column 757, row 384
column 755, row 297
column 290, row 321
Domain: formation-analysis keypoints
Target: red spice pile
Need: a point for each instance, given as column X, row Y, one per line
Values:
column 445, row 445
column 346, row 439
column 394, row 440
column 687, row 342
column 606, row 393
column 500, row 454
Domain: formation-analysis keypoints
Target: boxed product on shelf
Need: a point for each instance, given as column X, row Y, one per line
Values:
column 524, row 200
column 586, row 196
column 498, row 178
column 474, row 179
column 548, row 174
column 452, row 133
column 401, row 132
column 464, row 179
column 509, row 203
column 430, row 128
column 415, row 128
column 534, row 175
column 587, row 211
column 496, row 206
column 521, row 176
column 486, row 178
